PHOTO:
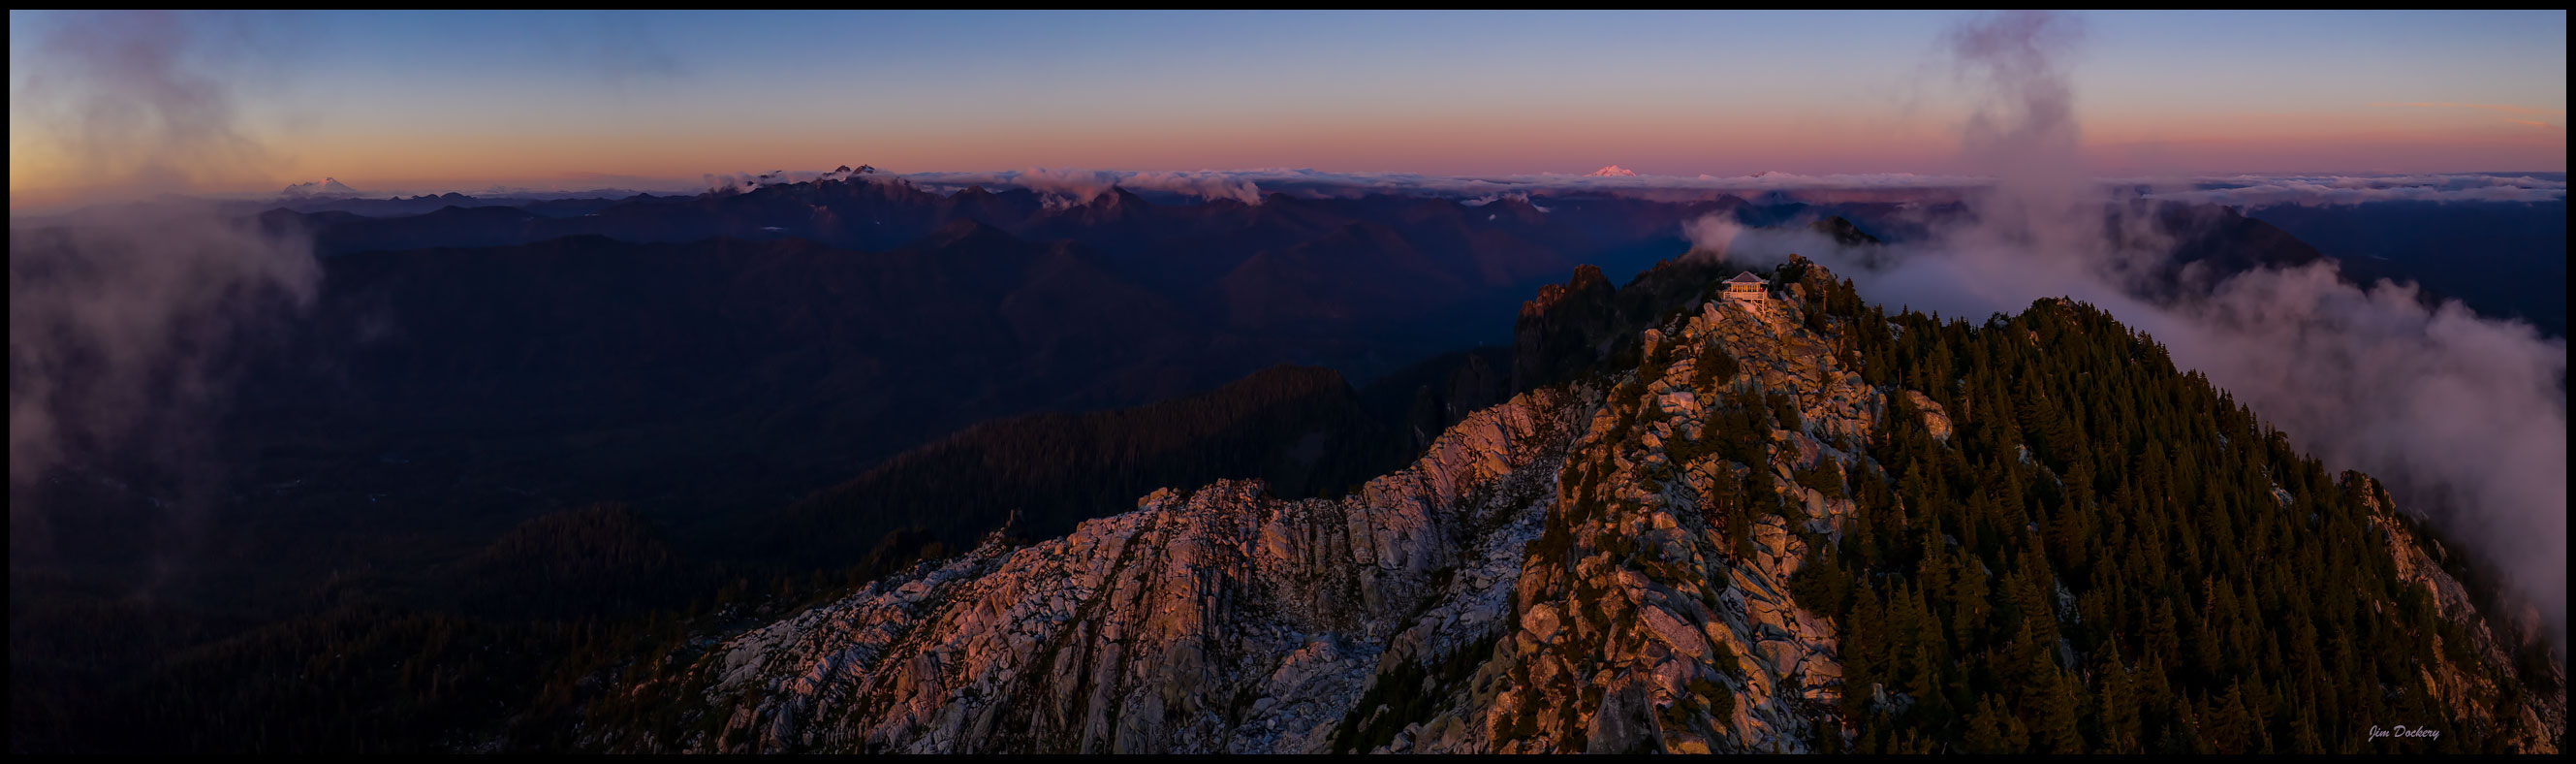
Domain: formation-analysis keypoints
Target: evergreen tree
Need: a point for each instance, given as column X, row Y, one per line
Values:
column 1994, row 730
column 2116, row 707
column 2054, row 728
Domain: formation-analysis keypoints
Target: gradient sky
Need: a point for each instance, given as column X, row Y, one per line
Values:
column 433, row 101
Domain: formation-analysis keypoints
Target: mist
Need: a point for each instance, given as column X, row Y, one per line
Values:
column 126, row 319
column 2464, row 418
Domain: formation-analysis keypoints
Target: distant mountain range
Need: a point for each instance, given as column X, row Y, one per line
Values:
column 2502, row 258
column 826, row 325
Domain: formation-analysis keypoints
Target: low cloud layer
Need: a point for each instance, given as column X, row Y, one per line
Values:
column 2330, row 190
column 1076, row 186
column 1249, row 186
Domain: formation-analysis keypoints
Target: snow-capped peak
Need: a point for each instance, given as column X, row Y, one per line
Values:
column 328, row 187
column 1614, row 171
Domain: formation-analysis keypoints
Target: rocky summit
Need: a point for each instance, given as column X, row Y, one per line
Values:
column 1611, row 564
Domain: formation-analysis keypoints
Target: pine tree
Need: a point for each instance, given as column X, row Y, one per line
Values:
column 2306, row 730
column 2117, row 704
column 2053, row 730
column 2206, row 654
column 2231, row 727
column 1930, row 656
column 2162, row 640
column 1994, row 730
column 1864, row 648
column 2183, row 735
column 1904, row 624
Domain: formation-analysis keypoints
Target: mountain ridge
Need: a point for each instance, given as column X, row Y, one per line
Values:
column 1594, row 567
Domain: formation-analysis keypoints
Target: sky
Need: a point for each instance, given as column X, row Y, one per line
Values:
column 463, row 101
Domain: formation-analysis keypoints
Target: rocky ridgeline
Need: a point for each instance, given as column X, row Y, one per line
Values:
column 1579, row 569
column 1641, row 627
column 1218, row 620
column 2452, row 686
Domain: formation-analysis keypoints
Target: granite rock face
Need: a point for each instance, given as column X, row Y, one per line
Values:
column 1221, row 619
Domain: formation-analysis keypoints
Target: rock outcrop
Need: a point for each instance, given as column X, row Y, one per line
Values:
column 1640, row 626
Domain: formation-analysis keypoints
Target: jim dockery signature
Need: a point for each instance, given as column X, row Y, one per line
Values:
column 2404, row 731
